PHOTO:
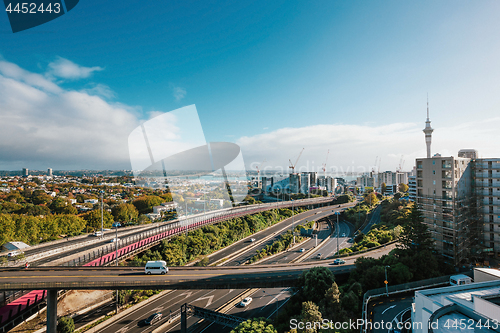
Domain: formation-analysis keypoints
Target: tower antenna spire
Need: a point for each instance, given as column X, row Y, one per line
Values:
column 428, row 131
column 427, row 106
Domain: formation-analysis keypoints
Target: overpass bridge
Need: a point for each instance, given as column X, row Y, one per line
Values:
column 57, row 278
column 110, row 278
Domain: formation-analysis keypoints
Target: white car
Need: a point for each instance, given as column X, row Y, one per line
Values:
column 343, row 235
column 114, row 240
column 245, row 302
column 302, row 250
column 252, row 240
column 98, row 233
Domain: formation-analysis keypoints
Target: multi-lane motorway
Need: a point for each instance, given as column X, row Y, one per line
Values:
column 271, row 298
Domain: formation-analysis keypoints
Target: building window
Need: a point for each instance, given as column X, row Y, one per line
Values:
column 433, row 162
column 491, row 218
column 491, row 209
column 492, row 245
column 492, row 237
column 491, row 227
column 433, row 182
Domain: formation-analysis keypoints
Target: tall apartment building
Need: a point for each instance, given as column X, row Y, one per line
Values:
column 460, row 200
column 294, row 183
column 305, row 182
column 444, row 188
column 486, row 173
column 49, row 172
column 412, row 188
column 25, row 172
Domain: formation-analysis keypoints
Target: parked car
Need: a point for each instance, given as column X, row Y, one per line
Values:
column 318, row 256
column 252, row 240
column 114, row 240
column 302, row 250
column 343, row 235
column 116, row 224
column 338, row 262
column 245, row 302
column 98, row 233
column 153, row 319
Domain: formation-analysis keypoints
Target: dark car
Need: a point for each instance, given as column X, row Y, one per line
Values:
column 153, row 319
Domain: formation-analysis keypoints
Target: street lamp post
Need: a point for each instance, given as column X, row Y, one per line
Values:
column 116, row 255
column 338, row 233
column 102, row 214
column 386, row 282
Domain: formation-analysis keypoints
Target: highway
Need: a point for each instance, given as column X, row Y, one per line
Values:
column 211, row 299
column 314, row 215
column 329, row 248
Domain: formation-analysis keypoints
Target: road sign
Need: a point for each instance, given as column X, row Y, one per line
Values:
column 386, row 282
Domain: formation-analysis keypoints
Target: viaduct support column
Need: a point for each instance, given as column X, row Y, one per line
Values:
column 51, row 311
column 183, row 318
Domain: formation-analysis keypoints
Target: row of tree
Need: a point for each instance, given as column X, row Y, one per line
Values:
column 184, row 248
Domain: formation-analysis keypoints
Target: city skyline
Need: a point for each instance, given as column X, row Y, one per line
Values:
column 357, row 86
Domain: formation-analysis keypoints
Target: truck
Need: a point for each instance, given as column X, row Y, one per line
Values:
column 460, row 279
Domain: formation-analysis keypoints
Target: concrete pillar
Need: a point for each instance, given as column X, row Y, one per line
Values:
column 51, row 311
column 184, row 318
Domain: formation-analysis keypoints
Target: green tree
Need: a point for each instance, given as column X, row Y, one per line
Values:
column 39, row 197
column 371, row 199
column 310, row 314
column 146, row 203
column 415, row 236
column 125, row 212
column 316, row 281
column 256, row 325
column 383, row 188
column 65, row 325
column 403, row 187
column 93, row 219
column 62, row 206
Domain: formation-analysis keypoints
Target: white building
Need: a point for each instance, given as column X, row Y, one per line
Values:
column 444, row 309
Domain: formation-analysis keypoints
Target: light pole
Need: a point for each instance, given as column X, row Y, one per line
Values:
column 102, row 214
column 386, row 282
column 116, row 255
column 338, row 233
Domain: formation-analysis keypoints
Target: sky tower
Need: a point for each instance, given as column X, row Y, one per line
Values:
column 428, row 131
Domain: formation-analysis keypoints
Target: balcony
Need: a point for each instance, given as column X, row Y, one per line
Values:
column 446, row 164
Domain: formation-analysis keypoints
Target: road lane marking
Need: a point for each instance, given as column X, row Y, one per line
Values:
column 393, row 306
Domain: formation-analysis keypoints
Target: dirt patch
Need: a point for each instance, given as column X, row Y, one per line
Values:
column 76, row 300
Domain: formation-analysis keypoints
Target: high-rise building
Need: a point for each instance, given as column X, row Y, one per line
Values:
column 444, row 188
column 294, row 183
column 49, row 172
column 305, row 182
column 486, row 192
column 25, row 172
column 460, row 201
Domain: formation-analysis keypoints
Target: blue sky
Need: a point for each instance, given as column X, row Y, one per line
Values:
column 272, row 76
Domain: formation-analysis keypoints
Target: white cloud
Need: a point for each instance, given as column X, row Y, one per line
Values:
column 43, row 125
column 13, row 71
column 179, row 93
column 355, row 147
column 66, row 69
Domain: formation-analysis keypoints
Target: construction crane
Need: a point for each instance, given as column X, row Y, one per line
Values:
column 292, row 166
column 401, row 164
column 324, row 164
column 375, row 164
column 259, row 168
